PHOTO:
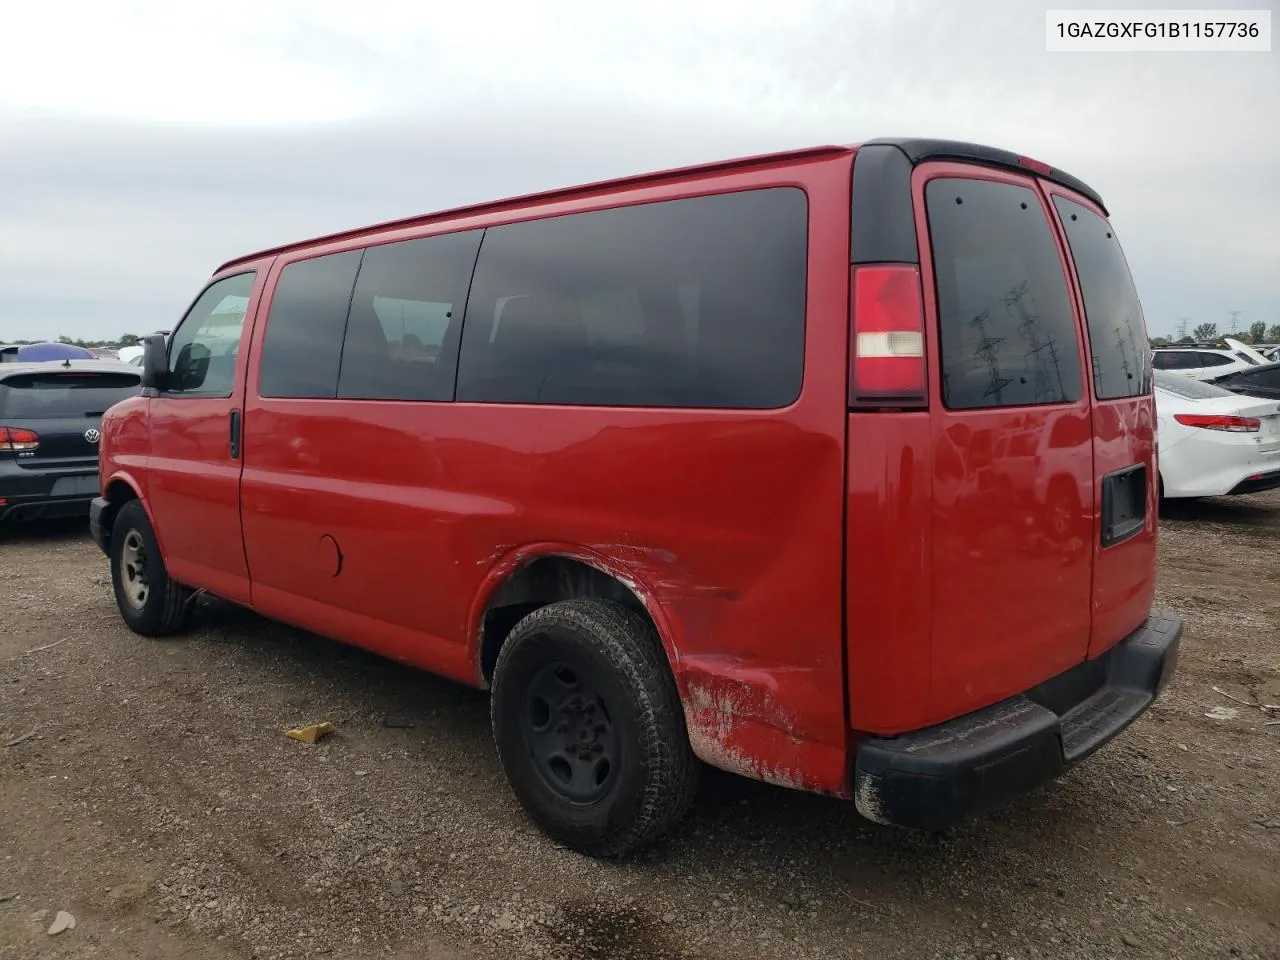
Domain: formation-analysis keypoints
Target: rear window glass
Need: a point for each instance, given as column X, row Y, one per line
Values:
column 1188, row 388
column 1262, row 376
column 1005, row 323
column 40, row 396
column 1117, row 335
column 684, row 303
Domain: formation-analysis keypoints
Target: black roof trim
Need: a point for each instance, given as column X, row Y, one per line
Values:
column 919, row 150
column 884, row 219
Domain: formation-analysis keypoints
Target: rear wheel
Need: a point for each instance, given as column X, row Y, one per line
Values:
column 589, row 727
column 150, row 602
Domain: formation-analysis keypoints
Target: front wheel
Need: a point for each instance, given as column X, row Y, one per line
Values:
column 589, row 727
column 150, row 602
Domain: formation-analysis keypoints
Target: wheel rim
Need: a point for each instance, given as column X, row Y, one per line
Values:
column 570, row 733
column 133, row 570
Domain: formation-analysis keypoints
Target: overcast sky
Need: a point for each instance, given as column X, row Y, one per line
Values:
column 143, row 143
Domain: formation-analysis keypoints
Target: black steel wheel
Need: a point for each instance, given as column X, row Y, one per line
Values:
column 589, row 727
column 569, row 732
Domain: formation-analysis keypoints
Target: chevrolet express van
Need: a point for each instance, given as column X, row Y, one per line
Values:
column 832, row 468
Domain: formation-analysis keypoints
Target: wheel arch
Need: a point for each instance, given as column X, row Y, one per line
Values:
column 119, row 490
column 531, row 577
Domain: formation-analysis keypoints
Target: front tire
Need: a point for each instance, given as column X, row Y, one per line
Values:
column 150, row 602
column 589, row 727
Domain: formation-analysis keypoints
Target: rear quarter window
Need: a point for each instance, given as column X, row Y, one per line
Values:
column 1113, row 314
column 696, row 302
column 1006, row 328
column 73, row 395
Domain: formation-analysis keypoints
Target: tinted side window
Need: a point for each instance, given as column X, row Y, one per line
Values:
column 303, row 342
column 1117, row 335
column 203, row 350
column 1165, row 360
column 1006, row 328
column 406, row 318
column 1212, row 360
column 1186, row 360
column 684, row 303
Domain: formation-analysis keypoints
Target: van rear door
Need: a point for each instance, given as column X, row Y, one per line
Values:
column 1012, row 426
column 1124, row 494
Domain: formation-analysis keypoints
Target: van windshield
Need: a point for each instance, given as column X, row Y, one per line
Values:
column 63, row 394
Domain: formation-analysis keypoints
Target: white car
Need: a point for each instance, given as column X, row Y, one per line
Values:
column 1212, row 442
column 1202, row 363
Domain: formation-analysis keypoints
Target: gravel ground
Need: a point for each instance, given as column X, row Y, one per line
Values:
column 148, row 789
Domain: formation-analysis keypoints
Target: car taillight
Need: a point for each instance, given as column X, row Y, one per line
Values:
column 18, row 440
column 886, row 356
column 1215, row 422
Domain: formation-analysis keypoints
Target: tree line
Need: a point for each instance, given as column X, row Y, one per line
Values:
column 127, row 340
column 1258, row 332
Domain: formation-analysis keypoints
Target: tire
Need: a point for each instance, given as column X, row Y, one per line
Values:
column 159, row 606
column 589, row 727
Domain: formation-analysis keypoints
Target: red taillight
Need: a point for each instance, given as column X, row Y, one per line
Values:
column 1214, row 422
column 1041, row 168
column 17, row 440
column 886, row 355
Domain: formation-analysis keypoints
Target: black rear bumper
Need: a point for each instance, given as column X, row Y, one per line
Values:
column 42, row 508
column 1257, row 484
column 932, row 778
column 31, row 493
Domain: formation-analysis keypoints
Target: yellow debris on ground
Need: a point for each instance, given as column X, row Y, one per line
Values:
column 310, row 734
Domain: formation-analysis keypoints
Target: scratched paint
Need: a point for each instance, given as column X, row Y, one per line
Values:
column 867, row 800
column 716, row 723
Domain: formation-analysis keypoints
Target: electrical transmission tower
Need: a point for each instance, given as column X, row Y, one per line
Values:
column 987, row 350
column 1182, row 327
column 1123, row 345
column 1041, row 352
column 1235, row 322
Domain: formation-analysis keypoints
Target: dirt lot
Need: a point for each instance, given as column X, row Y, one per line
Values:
column 157, row 800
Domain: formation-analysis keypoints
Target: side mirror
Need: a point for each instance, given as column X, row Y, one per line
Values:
column 155, row 363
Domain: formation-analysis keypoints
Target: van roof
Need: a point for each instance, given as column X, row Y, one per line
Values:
column 917, row 150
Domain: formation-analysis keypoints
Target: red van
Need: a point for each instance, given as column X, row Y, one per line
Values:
column 832, row 468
